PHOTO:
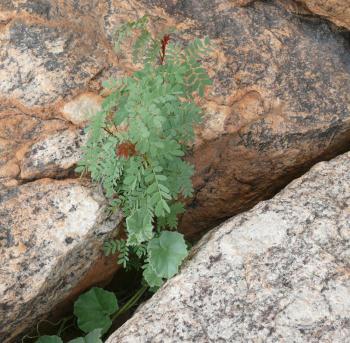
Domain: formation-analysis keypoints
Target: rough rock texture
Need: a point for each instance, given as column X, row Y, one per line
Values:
column 51, row 234
column 278, row 273
column 337, row 11
column 273, row 110
column 280, row 100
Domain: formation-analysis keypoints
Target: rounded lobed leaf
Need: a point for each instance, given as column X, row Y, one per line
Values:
column 152, row 279
column 166, row 253
column 93, row 309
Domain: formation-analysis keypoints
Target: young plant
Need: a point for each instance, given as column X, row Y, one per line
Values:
column 136, row 145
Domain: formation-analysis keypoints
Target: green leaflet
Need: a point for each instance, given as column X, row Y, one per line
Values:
column 139, row 226
column 92, row 337
column 94, row 308
column 170, row 219
column 110, row 247
column 166, row 253
column 152, row 279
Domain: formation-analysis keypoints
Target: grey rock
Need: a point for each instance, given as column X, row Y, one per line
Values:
column 51, row 233
column 277, row 273
column 54, row 155
column 40, row 64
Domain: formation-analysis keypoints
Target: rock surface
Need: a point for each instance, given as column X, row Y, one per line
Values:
column 51, row 234
column 337, row 11
column 277, row 273
column 273, row 111
column 53, row 156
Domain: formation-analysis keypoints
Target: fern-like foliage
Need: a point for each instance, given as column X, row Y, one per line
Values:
column 137, row 142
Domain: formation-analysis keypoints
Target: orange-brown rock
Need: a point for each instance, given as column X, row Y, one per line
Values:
column 337, row 11
column 279, row 102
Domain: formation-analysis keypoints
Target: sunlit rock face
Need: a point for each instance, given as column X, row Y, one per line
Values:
column 277, row 273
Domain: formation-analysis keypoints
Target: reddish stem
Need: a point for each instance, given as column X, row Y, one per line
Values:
column 164, row 43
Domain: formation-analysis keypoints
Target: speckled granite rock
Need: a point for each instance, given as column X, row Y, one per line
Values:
column 53, row 156
column 277, row 273
column 51, row 234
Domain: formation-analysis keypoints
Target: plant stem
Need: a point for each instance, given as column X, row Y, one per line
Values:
column 130, row 303
column 62, row 326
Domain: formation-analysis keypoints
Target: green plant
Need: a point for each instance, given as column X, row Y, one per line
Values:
column 49, row 339
column 135, row 148
column 137, row 141
column 95, row 311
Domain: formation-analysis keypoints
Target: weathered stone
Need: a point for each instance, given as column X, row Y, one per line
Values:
column 81, row 109
column 24, row 86
column 277, row 273
column 51, row 233
column 18, row 131
column 54, row 155
column 337, row 11
column 41, row 64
